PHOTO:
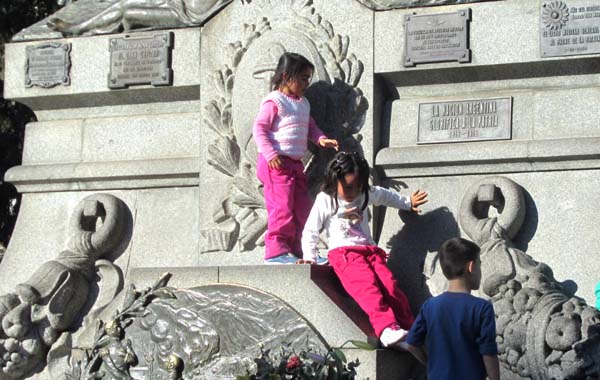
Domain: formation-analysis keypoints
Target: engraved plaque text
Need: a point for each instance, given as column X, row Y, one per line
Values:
column 465, row 120
column 140, row 60
column 437, row 38
column 48, row 65
column 569, row 27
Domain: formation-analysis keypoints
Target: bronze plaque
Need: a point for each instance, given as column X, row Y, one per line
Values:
column 465, row 120
column 569, row 27
column 437, row 38
column 48, row 65
column 140, row 60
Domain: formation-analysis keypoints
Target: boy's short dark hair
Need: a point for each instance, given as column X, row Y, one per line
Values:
column 454, row 255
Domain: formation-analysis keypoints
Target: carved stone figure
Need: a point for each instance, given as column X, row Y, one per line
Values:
column 40, row 309
column 543, row 331
column 117, row 355
column 125, row 15
column 382, row 5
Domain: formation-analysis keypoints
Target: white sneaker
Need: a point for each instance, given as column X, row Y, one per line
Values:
column 392, row 335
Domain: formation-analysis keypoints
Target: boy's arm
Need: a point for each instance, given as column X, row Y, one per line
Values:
column 492, row 366
column 418, row 352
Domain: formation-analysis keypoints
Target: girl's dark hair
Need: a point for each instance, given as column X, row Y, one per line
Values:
column 455, row 254
column 342, row 164
column 293, row 65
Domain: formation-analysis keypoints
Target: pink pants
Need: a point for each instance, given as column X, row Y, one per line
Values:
column 364, row 274
column 288, row 205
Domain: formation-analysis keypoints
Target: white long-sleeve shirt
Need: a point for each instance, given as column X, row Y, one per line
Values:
column 349, row 225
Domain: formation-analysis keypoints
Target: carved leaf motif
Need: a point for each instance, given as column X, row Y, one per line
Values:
column 162, row 281
column 226, row 119
column 332, row 67
column 224, row 156
column 163, row 293
column 328, row 27
column 219, row 82
column 246, row 189
column 213, row 117
column 130, row 297
column 229, row 84
column 357, row 71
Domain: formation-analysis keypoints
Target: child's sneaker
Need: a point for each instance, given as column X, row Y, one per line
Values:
column 392, row 335
column 285, row 258
column 322, row 260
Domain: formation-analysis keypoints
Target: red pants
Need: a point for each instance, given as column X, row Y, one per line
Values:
column 364, row 274
column 288, row 205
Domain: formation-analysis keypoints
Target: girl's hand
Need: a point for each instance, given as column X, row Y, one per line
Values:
column 418, row 198
column 275, row 163
column 329, row 143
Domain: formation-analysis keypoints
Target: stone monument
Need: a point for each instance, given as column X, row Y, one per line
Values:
column 143, row 141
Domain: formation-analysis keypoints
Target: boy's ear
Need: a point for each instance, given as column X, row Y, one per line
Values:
column 470, row 266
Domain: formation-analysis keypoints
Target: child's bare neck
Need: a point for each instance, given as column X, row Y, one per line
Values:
column 459, row 285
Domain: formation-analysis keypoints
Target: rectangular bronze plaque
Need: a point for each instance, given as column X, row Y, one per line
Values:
column 140, row 60
column 569, row 27
column 437, row 38
column 48, row 65
column 465, row 120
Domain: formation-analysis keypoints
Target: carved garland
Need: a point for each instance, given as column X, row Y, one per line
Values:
column 241, row 216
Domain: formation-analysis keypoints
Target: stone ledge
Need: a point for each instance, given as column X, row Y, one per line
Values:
column 485, row 157
column 173, row 172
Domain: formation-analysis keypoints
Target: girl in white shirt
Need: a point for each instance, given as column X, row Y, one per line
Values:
column 341, row 210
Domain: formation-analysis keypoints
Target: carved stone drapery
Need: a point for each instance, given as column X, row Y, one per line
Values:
column 543, row 331
column 51, row 301
column 126, row 15
column 383, row 5
column 337, row 105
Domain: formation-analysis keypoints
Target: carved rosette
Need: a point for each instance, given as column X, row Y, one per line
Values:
column 337, row 105
column 555, row 15
column 543, row 331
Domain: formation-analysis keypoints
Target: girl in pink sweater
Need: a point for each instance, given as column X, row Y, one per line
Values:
column 281, row 132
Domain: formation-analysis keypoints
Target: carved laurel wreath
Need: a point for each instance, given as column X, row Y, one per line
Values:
column 241, row 217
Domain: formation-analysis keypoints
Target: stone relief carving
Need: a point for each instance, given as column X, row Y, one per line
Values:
column 338, row 106
column 383, row 5
column 125, row 15
column 543, row 331
column 92, row 17
column 208, row 332
column 51, row 301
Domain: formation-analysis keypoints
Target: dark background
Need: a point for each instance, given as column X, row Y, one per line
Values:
column 15, row 15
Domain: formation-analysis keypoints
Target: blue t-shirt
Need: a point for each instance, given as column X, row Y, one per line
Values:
column 457, row 328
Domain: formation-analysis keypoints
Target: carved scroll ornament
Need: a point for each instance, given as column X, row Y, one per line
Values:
column 543, row 331
column 46, row 305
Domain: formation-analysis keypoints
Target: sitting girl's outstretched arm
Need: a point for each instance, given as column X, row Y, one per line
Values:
column 313, row 227
column 380, row 196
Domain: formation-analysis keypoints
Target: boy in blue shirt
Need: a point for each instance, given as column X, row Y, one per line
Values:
column 458, row 328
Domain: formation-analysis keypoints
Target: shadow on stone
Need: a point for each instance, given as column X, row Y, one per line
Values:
column 408, row 249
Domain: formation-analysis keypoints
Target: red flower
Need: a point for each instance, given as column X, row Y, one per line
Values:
column 293, row 362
